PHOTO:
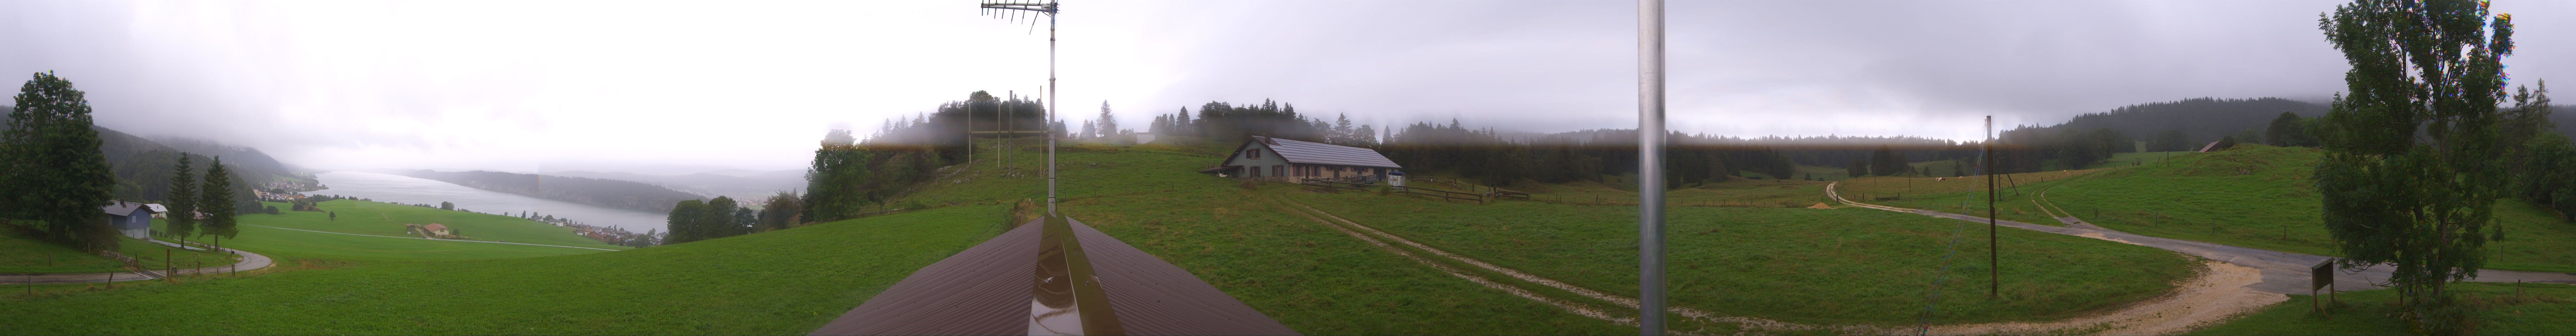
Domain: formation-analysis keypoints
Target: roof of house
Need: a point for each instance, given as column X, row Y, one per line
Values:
column 433, row 227
column 2213, row 145
column 121, row 208
column 989, row 290
column 157, row 207
column 1322, row 154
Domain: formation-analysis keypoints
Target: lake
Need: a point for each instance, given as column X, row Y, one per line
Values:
column 392, row 188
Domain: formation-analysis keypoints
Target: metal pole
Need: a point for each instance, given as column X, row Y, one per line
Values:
column 1050, row 129
column 1650, row 167
column 1994, row 277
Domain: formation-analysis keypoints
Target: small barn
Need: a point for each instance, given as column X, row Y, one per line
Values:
column 158, row 211
column 433, row 230
column 130, row 219
column 1275, row 159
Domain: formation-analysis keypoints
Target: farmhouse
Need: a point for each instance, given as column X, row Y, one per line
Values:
column 130, row 219
column 433, row 230
column 1268, row 158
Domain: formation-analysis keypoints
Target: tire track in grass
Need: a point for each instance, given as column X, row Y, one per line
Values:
column 1747, row 324
column 1576, row 308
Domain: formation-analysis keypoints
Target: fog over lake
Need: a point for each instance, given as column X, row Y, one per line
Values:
column 411, row 190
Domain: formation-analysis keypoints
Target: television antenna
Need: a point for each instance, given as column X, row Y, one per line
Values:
column 1017, row 11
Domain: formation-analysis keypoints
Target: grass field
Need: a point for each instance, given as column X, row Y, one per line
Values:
column 2259, row 196
column 387, row 219
column 21, row 254
column 1301, row 273
column 780, row 282
column 372, row 218
column 1731, row 193
column 1802, row 265
column 2500, row 309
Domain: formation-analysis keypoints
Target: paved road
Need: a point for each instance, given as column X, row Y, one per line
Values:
column 2283, row 272
column 250, row 261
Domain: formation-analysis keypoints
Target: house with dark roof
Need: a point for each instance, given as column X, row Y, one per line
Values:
column 1276, row 159
column 130, row 219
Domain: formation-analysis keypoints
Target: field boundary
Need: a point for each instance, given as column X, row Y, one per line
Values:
column 468, row 241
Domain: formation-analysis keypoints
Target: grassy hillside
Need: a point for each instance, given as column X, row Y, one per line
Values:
column 2254, row 196
column 383, row 219
column 387, row 219
column 780, row 282
column 1802, row 265
column 2500, row 309
column 2259, row 196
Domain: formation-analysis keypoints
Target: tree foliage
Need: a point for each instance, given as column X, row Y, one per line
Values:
column 218, row 189
column 183, row 207
column 54, row 171
column 780, row 212
column 2412, row 167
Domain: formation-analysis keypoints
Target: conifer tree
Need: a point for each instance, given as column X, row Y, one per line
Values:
column 215, row 199
column 182, row 200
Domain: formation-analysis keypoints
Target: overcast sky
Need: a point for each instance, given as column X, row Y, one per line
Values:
column 675, row 86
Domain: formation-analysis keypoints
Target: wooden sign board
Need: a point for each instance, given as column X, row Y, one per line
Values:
column 2322, row 275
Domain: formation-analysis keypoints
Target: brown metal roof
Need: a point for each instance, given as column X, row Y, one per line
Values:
column 994, row 289
column 1153, row 297
column 983, row 290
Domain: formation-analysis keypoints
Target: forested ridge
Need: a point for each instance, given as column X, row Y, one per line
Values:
column 600, row 192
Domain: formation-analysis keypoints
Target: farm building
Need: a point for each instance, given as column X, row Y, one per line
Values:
column 159, row 211
column 130, row 219
column 433, row 230
column 1268, row 158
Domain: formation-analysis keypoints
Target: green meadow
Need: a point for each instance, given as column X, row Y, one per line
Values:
column 2499, row 309
column 381, row 223
column 780, row 282
column 1299, row 272
column 387, row 219
column 23, row 254
column 2259, row 196
column 1831, row 266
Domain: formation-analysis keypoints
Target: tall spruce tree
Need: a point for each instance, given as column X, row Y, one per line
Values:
column 54, row 170
column 182, row 200
column 215, row 198
column 2411, row 170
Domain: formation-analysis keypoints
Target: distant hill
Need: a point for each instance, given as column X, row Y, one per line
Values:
column 601, row 192
column 2199, row 119
column 143, row 167
column 745, row 185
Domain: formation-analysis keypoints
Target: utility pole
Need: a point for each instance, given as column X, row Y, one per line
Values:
column 1650, row 167
column 1994, row 274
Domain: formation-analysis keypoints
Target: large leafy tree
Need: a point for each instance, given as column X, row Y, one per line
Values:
column 2411, row 169
column 215, row 198
column 836, row 183
column 718, row 220
column 54, row 171
column 781, row 210
column 684, row 220
column 182, row 201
